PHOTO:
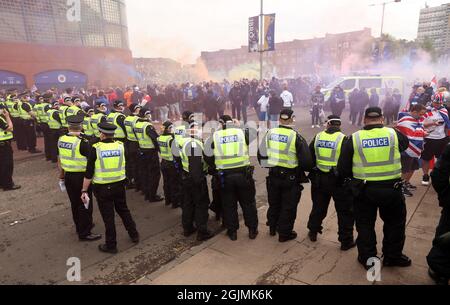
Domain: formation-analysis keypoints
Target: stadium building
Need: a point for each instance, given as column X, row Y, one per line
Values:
column 64, row 43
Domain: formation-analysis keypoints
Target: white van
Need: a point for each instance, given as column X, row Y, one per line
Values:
column 380, row 83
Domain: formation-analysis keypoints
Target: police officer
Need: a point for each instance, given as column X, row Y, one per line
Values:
column 286, row 153
column 28, row 118
column 439, row 256
column 227, row 151
column 195, row 203
column 371, row 158
column 42, row 118
column 326, row 150
column 88, row 130
column 73, row 150
column 106, row 171
column 98, row 117
column 74, row 108
column 67, row 103
column 132, row 145
column 117, row 118
column 150, row 171
column 168, row 167
column 11, row 103
column 54, row 129
column 6, row 152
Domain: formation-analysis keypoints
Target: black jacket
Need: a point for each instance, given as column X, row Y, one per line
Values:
column 440, row 178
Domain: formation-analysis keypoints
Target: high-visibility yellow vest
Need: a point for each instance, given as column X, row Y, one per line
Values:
column 72, row 110
column 52, row 123
column 328, row 150
column 180, row 132
column 110, row 163
column 281, row 148
column 112, row 119
column 95, row 120
column 376, row 155
column 23, row 114
column 165, row 146
column 63, row 116
column 230, row 149
column 145, row 142
column 5, row 135
column 12, row 108
column 87, row 127
column 41, row 116
column 72, row 161
column 184, row 154
column 130, row 123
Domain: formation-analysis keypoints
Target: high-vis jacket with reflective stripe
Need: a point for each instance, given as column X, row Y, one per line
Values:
column 52, row 123
column 281, row 148
column 110, row 163
column 230, row 149
column 72, row 161
column 87, row 127
column 63, row 115
column 328, row 150
column 112, row 119
column 184, row 154
column 145, row 142
column 376, row 155
column 5, row 135
column 130, row 123
column 165, row 147
column 95, row 120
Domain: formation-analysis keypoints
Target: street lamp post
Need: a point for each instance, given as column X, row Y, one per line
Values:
column 383, row 13
column 382, row 20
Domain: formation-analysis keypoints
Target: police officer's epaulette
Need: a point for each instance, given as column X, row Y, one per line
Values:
column 83, row 137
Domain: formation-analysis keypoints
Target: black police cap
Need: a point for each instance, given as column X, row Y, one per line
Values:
column 286, row 114
column 373, row 113
column 75, row 119
column 107, row 128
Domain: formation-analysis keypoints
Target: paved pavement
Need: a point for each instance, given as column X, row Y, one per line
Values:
column 301, row 262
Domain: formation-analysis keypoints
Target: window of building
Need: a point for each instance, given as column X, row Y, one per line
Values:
column 111, row 11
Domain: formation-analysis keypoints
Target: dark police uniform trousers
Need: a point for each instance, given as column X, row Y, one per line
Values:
column 171, row 188
column 46, row 132
column 29, row 130
column 324, row 187
column 53, row 137
column 238, row 186
column 195, row 204
column 444, row 222
column 283, row 193
column 6, row 165
column 20, row 137
column 150, row 172
column 216, row 204
column 131, row 155
column 112, row 197
column 390, row 202
column 82, row 217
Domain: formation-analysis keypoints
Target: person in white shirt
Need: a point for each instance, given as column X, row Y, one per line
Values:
column 263, row 102
column 287, row 97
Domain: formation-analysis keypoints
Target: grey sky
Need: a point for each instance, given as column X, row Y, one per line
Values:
column 181, row 29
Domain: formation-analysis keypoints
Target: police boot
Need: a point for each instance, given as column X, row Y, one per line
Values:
column 232, row 235
column 253, row 233
column 202, row 236
column 402, row 261
column 285, row 238
column 189, row 232
column 312, row 236
column 437, row 278
column 273, row 231
column 104, row 248
column 348, row 245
